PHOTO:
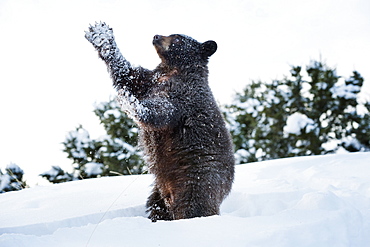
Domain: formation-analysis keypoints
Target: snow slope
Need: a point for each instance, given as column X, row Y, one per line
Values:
column 306, row 201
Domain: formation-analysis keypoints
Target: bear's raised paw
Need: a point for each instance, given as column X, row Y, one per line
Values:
column 100, row 35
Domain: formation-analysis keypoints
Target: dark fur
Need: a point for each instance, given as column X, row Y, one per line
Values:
column 182, row 132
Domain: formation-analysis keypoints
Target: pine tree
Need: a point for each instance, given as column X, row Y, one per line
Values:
column 58, row 175
column 311, row 113
column 119, row 148
column 112, row 154
column 12, row 179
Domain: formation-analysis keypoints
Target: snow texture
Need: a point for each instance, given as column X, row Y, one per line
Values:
column 93, row 168
column 81, row 140
column 14, row 168
column 297, row 122
column 251, row 106
column 114, row 112
column 306, row 201
column 5, row 180
column 53, row 172
column 9, row 180
column 131, row 105
column 346, row 91
column 142, row 111
column 101, row 37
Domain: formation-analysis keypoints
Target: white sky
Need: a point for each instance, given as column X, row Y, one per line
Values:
column 51, row 76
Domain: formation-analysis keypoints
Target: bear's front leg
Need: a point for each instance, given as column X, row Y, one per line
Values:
column 101, row 37
column 156, row 112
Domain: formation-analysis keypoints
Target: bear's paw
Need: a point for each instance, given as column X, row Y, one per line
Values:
column 100, row 35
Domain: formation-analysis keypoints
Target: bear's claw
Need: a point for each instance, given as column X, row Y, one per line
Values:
column 99, row 35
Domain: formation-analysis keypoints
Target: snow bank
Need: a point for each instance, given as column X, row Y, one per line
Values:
column 306, row 201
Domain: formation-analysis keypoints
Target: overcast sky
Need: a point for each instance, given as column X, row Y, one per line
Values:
column 51, row 76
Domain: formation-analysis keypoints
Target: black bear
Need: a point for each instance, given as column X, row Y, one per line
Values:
column 181, row 129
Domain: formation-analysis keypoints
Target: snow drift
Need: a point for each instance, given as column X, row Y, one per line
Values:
column 306, row 201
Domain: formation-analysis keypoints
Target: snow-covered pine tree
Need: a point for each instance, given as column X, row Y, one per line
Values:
column 119, row 147
column 312, row 112
column 12, row 179
column 112, row 154
column 58, row 175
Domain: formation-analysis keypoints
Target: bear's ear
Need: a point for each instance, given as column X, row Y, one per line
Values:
column 209, row 48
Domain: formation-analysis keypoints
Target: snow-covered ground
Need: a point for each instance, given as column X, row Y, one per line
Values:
column 306, row 201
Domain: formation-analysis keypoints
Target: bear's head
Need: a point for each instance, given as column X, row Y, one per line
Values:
column 179, row 50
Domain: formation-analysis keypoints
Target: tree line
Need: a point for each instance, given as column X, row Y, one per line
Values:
column 311, row 111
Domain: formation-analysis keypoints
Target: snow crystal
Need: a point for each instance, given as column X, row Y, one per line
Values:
column 100, row 34
column 123, row 156
column 102, row 38
column 159, row 107
column 346, row 91
column 260, row 153
column 78, row 140
column 351, row 141
column 285, row 91
column 130, row 104
column 298, row 121
column 322, row 85
column 305, row 91
column 115, row 112
column 251, row 106
column 271, row 97
column 93, row 168
column 53, row 172
column 14, row 168
column 240, row 155
column 126, row 152
column 330, row 145
column 81, row 135
column 4, row 181
column 131, row 149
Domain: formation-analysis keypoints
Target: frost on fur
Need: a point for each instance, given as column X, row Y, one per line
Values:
column 182, row 132
column 130, row 104
column 157, row 111
column 101, row 37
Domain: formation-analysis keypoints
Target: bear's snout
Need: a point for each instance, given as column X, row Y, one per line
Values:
column 157, row 38
column 161, row 43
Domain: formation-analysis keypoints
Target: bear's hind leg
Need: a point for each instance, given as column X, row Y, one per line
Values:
column 156, row 207
column 197, row 199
